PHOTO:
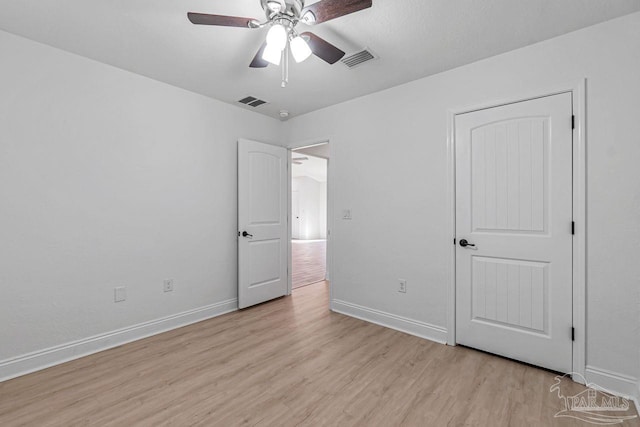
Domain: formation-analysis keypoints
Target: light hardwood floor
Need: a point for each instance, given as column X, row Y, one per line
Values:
column 284, row 363
column 308, row 259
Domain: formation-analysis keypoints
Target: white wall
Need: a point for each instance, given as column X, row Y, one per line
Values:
column 399, row 202
column 312, row 207
column 109, row 179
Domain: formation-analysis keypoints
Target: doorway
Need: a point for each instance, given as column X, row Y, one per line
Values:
column 309, row 230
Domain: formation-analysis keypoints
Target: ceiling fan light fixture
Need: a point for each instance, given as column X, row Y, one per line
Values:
column 277, row 37
column 282, row 17
column 272, row 54
column 300, row 49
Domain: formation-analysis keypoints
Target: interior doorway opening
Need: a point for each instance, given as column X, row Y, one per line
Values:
column 309, row 230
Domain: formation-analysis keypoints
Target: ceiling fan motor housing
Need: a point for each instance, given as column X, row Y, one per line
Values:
column 286, row 7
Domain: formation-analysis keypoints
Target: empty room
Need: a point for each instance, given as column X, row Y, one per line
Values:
column 320, row 212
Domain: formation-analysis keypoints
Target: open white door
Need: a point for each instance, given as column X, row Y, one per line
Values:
column 262, row 222
column 514, row 231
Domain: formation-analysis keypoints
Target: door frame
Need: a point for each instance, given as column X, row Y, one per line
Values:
column 578, row 91
column 330, row 236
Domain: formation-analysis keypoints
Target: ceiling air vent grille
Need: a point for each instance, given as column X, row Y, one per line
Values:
column 252, row 101
column 358, row 58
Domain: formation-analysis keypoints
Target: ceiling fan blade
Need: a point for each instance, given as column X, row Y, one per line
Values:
column 325, row 10
column 221, row 20
column 258, row 62
column 323, row 49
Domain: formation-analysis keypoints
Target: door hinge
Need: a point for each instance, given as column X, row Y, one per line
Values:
column 573, row 122
column 573, row 334
column 573, row 228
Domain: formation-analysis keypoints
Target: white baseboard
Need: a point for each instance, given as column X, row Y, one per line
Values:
column 42, row 359
column 399, row 323
column 616, row 383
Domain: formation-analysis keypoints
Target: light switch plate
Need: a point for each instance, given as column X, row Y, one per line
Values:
column 119, row 294
column 402, row 286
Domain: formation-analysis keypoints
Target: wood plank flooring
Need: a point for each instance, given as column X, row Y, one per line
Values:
column 285, row 363
column 309, row 262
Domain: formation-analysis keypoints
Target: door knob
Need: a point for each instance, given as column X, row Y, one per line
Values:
column 464, row 243
column 245, row 234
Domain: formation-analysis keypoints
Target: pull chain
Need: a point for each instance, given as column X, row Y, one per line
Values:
column 285, row 66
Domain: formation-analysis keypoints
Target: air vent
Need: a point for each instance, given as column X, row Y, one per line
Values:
column 252, row 101
column 359, row 58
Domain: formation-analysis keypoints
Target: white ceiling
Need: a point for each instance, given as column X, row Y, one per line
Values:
column 414, row 38
column 318, row 150
column 314, row 167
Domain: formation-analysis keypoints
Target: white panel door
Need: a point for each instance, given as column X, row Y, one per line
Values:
column 262, row 221
column 514, row 203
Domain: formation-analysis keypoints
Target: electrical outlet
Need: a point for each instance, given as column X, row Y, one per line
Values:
column 119, row 294
column 168, row 285
column 346, row 214
column 402, row 286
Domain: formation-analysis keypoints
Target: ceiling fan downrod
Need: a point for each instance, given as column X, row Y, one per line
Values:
column 285, row 67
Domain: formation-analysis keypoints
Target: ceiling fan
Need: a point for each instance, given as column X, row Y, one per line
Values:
column 299, row 160
column 282, row 18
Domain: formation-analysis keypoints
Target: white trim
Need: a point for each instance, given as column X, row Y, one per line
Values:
column 580, row 237
column 42, row 359
column 388, row 320
column 527, row 96
column 289, row 224
column 329, row 234
column 579, row 210
column 451, row 204
column 613, row 382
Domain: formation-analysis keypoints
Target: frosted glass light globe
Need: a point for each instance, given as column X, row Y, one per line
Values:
column 300, row 49
column 277, row 37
